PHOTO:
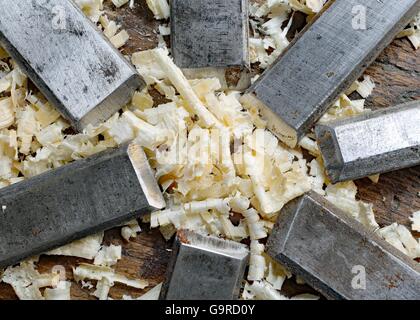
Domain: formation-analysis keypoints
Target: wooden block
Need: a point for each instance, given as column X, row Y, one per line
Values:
column 336, row 255
column 70, row 62
column 209, row 33
column 204, row 268
column 324, row 61
column 76, row 200
column 376, row 142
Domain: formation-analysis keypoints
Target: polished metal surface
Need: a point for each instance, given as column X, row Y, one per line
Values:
column 375, row 142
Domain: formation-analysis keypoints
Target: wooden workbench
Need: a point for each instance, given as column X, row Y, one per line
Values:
column 397, row 76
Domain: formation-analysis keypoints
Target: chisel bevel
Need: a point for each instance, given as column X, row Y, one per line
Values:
column 204, row 268
column 323, row 62
column 74, row 201
column 65, row 56
column 338, row 256
column 209, row 33
column 375, row 142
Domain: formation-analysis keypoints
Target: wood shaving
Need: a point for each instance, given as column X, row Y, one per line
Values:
column 415, row 221
column 235, row 175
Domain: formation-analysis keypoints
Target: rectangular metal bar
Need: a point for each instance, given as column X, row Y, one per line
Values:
column 375, row 142
column 74, row 201
column 328, row 56
column 209, row 33
column 65, row 56
column 204, row 268
column 337, row 256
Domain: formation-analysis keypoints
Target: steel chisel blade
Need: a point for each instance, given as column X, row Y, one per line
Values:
column 338, row 256
column 66, row 57
column 375, row 142
column 209, row 33
column 328, row 56
column 204, row 268
column 74, row 201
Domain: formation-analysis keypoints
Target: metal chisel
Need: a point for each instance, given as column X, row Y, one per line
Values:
column 204, row 268
column 74, row 201
column 323, row 62
column 375, row 142
column 65, row 56
column 209, row 33
column 338, row 256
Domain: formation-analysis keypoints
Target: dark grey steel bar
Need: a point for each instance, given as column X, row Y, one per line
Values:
column 204, row 268
column 70, row 62
column 324, row 61
column 332, row 252
column 74, row 201
column 209, row 33
column 375, row 142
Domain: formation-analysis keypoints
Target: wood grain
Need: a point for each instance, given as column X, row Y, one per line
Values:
column 397, row 76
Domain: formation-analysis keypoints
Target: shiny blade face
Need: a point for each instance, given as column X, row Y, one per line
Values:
column 376, row 142
column 66, row 57
column 209, row 33
column 74, row 201
column 337, row 256
column 204, row 268
column 325, row 60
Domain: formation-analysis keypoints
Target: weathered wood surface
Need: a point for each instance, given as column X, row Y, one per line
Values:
column 397, row 76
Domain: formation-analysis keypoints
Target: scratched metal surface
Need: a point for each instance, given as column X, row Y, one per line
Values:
column 396, row 74
column 377, row 142
column 205, row 268
column 74, row 201
column 209, row 33
column 320, row 243
column 326, row 59
column 71, row 63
